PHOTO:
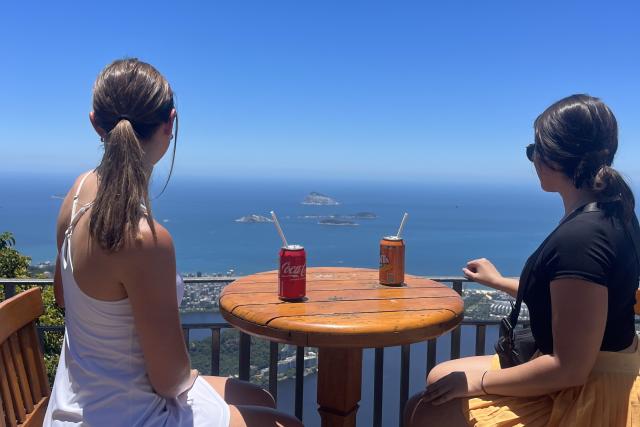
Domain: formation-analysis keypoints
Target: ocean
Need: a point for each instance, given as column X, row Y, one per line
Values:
column 449, row 224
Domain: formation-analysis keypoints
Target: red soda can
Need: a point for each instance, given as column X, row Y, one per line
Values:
column 292, row 276
column 391, row 261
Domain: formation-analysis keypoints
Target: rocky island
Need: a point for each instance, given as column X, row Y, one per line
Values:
column 362, row 215
column 336, row 221
column 253, row 218
column 319, row 199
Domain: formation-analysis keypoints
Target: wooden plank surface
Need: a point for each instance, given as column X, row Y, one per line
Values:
column 19, row 311
column 344, row 307
column 21, row 372
column 3, row 422
column 30, row 355
column 14, row 387
column 36, row 418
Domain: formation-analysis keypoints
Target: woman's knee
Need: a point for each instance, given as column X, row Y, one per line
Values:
column 439, row 371
column 466, row 363
column 237, row 392
column 259, row 416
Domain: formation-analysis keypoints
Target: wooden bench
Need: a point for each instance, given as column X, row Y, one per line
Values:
column 24, row 387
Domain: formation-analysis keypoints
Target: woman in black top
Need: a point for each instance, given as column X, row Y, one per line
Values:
column 580, row 289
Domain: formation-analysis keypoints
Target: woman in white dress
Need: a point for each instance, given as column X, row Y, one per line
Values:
column 123, row 361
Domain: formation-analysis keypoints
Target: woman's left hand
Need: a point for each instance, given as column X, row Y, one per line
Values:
column 455, row 385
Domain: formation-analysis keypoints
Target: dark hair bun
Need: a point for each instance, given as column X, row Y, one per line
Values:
column 578, row 136
column 589, row 166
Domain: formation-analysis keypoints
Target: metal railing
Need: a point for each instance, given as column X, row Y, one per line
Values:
column 244, row 369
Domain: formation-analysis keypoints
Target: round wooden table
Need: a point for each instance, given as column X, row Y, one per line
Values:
column 346, row 310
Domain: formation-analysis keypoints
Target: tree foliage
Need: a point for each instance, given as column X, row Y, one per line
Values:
column 12, row 263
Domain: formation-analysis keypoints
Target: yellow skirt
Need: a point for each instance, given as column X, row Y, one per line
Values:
column 610, row 397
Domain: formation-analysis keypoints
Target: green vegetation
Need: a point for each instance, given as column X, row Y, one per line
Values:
column 200, row 353
column 15, row 265
column 12, row 263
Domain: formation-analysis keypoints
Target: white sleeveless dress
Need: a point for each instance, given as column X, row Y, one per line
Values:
column 101, row 378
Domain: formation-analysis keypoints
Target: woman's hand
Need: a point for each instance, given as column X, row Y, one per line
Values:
column 483, row 271
column 455, row 385
column 193, row 376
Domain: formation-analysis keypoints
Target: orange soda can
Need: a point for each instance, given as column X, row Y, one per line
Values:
column 392, row 261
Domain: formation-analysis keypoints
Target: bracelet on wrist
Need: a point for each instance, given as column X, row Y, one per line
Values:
column 482, row 382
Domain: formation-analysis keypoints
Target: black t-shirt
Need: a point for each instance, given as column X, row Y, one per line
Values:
column 592, row 246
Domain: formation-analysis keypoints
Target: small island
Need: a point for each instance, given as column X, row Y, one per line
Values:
column 319, row 199
column 362, row 215
column 335, row 221
column 253, row 219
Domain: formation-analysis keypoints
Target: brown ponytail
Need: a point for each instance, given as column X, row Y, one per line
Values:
column 130, row 101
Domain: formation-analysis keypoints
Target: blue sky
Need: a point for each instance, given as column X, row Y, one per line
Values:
column 325, row 89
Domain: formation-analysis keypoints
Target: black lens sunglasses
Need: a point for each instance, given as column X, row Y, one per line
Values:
column 531, row 148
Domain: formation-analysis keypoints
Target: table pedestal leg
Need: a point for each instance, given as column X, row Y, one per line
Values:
column 339, row 385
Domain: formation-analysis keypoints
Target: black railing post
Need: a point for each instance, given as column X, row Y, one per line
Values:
column 244, row 360
column 432, row 345
column 455, row 334
column 480, row 339
column 405, row 355
column 41, row 339
column 215, row 351
column 299, row 381
column 273, row 369
column 185, row 335
column 378, row 382
column 9, row 290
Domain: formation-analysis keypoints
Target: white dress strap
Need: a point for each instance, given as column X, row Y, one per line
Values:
column 75, row 198
column 75, row 216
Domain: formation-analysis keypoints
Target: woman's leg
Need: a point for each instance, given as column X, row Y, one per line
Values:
column 474, row 363
column 259, row 416
column 420, row 414
column 236, row 392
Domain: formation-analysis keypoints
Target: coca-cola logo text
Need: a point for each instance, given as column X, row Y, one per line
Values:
column 294, row 271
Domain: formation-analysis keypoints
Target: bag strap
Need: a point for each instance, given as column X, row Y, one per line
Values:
column 523, row 287
column 635, row 236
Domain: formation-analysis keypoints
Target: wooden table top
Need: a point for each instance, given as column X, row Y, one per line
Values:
column 344, row 307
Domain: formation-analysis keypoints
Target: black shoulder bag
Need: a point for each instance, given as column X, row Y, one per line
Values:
column 517, row 346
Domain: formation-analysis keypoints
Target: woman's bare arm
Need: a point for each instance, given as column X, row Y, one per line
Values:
column 148, row 271
column 579, row 310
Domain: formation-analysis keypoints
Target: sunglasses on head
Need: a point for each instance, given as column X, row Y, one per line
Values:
column 531, row 148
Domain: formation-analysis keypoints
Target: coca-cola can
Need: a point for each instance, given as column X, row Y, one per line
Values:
column 292, row 276
column 391, row 261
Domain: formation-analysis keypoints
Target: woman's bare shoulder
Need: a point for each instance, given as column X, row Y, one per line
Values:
column 64, row 214
column 150, row 248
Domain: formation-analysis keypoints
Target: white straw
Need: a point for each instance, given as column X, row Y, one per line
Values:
column 275, row 221
column 404, row 219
